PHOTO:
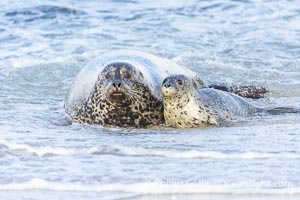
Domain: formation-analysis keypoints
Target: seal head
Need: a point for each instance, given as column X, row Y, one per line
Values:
column 122, row 98
column 177, row 86
column 117, row 81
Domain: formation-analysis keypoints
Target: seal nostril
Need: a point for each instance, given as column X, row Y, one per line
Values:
column 117, row 84
column 167, row 85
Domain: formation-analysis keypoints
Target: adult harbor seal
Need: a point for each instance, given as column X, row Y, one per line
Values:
column 187, row 107
column 122, row 88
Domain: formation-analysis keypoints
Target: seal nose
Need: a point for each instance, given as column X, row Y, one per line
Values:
column 117, row 84
column 167, row 85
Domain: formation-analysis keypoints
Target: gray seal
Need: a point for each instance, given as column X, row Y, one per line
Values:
column 188, row 107
column 122, row 88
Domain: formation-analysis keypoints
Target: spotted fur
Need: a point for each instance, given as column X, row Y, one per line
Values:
column 139, row 108
column 254, row 92
column 140, row 73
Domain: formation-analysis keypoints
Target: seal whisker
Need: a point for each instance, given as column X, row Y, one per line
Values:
column 134, row 93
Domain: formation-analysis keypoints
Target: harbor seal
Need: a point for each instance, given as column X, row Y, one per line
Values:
column 188, row 107
column 122, row 88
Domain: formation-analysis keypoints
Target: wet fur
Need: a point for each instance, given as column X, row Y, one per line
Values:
column 139, row 108
column 187, row 107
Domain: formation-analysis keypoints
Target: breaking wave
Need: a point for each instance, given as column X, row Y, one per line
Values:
column 47, row 151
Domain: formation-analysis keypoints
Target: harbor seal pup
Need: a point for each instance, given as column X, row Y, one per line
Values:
column 188, row 107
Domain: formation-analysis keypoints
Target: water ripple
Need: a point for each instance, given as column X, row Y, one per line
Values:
column 48, row 151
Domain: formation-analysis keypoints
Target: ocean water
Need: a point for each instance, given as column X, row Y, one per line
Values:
column 44, row 44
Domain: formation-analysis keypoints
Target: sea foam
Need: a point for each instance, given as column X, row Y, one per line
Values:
column 146, row 188
column 47, row 151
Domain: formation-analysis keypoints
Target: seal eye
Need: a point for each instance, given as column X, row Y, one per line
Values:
column 179, row 82
column 107, row 76
column 127, row 75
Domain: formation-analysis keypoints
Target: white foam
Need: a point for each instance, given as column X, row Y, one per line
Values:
column 44, row 151
column 146, row 188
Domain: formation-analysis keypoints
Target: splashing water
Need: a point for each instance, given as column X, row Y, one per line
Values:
column 45, row 43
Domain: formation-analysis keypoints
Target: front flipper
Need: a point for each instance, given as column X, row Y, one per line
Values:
column 254, row 92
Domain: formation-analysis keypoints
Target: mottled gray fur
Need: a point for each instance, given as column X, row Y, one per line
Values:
column 188, row 107
column 137, row 108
